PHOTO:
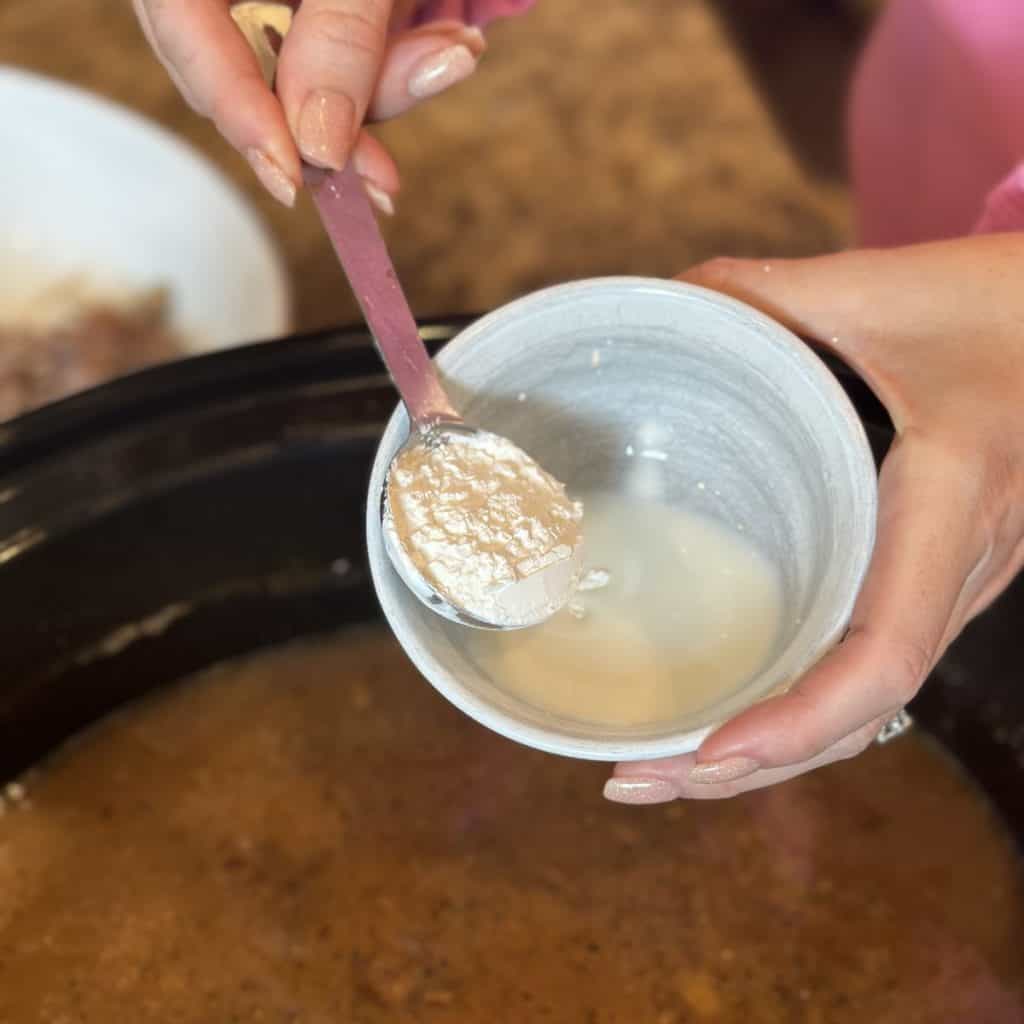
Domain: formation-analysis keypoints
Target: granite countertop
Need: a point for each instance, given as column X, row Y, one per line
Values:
column 635, row 141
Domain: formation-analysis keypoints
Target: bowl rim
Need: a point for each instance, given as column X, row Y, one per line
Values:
column 550, row 739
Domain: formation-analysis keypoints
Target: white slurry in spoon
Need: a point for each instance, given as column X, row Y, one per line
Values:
column 486, row 527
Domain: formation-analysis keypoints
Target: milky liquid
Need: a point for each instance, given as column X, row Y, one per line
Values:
column 691, row 612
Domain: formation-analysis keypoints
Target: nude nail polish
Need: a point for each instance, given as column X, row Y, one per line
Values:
column 440, row 71
column 729, row 770
column 639, row 790
column 326, row 128
column 271, row 176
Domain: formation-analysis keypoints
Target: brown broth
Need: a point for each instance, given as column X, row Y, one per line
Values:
column 314, row 835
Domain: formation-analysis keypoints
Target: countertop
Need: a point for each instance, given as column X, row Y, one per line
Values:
column 633, row 140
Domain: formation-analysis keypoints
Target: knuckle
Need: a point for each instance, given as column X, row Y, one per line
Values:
column 223, row 104
column 716, row 273
column 164, row 20
column 905, row 665
column 350, row 30
column 178, row 49
column 195, row 102
column 219, row 107
column 1002, row 498
column 219, row 112
column 800, row 745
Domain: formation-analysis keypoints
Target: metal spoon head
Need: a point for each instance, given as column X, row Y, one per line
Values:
column 539, row 595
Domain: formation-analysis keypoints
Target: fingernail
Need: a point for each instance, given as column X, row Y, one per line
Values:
column 729, row 770
column 639, row 790
column 379, row 197
column 326, row 128
column 271, row 176
column 441, row 70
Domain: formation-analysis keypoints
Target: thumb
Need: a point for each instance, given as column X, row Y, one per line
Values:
column 328, row 69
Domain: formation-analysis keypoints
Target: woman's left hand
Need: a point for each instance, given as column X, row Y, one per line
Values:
column 938, row 332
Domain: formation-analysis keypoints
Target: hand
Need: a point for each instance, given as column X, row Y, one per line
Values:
column 937, row 331
column 338, row 67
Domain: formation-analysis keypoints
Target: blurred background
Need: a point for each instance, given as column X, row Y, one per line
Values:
column 595, row 138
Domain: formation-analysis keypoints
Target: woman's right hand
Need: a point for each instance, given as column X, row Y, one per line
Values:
column 340, row 65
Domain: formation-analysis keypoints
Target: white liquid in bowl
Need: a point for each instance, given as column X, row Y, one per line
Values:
column 692, row 611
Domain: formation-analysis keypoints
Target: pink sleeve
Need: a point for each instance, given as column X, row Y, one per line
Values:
column 937, row 121
column 472, row 12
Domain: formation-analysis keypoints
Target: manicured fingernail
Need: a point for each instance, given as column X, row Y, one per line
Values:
column 271, row 176
column 379, row 197
column 441, row 70
column 638, row 790
column 326, row 128
column 729, row 770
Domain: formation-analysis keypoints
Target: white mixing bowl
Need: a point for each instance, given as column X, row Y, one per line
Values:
column 93, row 191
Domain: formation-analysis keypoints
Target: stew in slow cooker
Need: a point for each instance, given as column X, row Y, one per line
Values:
column 314, row 835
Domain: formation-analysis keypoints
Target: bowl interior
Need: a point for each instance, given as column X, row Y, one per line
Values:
column 685, row 398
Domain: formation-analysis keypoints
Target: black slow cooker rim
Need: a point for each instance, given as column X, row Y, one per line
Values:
column 257, row 367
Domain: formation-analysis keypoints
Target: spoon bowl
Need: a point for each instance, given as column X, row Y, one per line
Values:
column 528, row 601
column 400, row 560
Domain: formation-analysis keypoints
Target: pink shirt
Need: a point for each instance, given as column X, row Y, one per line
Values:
column 937, row 121
column 936, row 116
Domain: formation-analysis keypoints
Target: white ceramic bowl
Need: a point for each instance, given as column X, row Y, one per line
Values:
column 94, row 191
column 732, row 397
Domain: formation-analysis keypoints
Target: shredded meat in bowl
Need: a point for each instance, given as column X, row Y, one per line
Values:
column 43, row 363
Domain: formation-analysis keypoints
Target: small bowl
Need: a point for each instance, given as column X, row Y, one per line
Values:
column 579, row 373
column 96, row 195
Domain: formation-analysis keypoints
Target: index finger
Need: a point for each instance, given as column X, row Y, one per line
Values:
column 210, row 61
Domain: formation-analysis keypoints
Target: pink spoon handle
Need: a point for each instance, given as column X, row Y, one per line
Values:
column 352, row 228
